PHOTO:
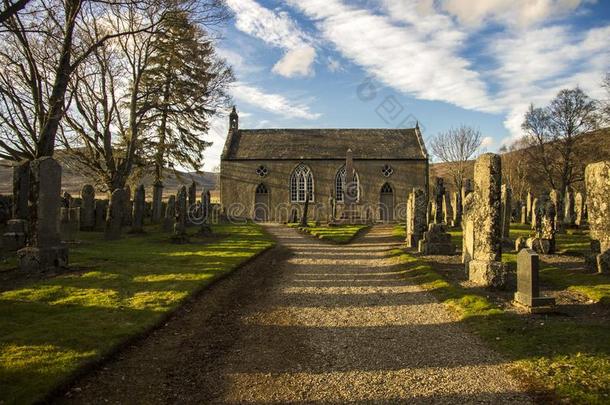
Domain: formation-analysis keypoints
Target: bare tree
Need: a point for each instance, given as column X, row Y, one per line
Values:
column 40, row 49
column 552, row 134
column 10, row 8
column 456, row 147
column 515, row 169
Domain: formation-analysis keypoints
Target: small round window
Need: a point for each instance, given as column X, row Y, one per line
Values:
column 387, row 170
column 262, row 171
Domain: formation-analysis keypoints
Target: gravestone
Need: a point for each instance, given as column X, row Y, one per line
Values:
column 436, row 241
column 520, row 243
column 192, row 207
column 523, row 214
column 528, row 205
column 544, row 215
column 127, row 207
column 482, row 223
column 597, row 183
column 332, row 213
column 456, row 202
column 438, row 198
column 416, row 217
column 579, row 209
column 206, row 213
column 15, row 236
column 115, row 212
column 101, row 212
column 69, row 223
column 87, row 212
column 557, row 200
column 506, row 203
column 534, row 213
column 139, row 203
column 170, row 214
column 157, row 202
column 44, row 250
column 180, row 235
column 569, row 216
column 528, row 290
column 447, row 210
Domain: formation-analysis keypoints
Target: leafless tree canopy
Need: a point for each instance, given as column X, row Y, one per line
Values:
column 551, row 136
column 457, row 146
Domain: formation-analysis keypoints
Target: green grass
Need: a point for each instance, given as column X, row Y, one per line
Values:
column 555, row 354
column 50, row 328
column 342, row 234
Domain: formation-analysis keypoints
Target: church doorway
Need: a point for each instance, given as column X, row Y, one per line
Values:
column 386, row 203
column 261, row 203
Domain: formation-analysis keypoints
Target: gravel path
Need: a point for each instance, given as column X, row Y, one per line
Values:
column 308, row 322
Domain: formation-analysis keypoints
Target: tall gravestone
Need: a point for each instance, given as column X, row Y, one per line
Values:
column 180, row 235
column 101, row 211
column 157, row 202
column 523, row 215
column 597, row 183
column 139, row 205
column 447, row 210
column 439, row 196
column 87, row 212
column 69, row 223
column 115, row 212
column 579, row 209
column 416, row 217
column 170, row 214
column 506, row 202
column 528, row 205
column 206, row 208
column 127, row 207
column 44, row 250
column 569, row 216
column 528, row 290
column 557, row 200
column 534, row 213
column 482, row 223
column 456, row 202
column 15, row 235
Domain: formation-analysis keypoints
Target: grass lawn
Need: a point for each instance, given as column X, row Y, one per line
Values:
column 555, row 354
column 50, row 328
column 337, row 234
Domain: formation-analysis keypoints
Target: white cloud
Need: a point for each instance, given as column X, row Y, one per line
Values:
column 521, row 13
column 274, row 103
column 297, row 62
column 416, row 59
column 279, row 30
column 487, row 142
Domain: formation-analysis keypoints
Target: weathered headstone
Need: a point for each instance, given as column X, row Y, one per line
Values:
column 436, row 241
column 438, row 198
column 69, row 223
column 528, row 290
column 528, row 205
column 139, row 202
column 579, row 209
column 87, row 212
column 332, row 212
column 482, row 223
column 170, row 214
column 304, row 220
column 557, row 200
column 569, row 215
column 101, row 212
column 520, row 243
column 157, row 205
column 523, row 214
column 534, row 213
column 447, row 210
column 44, row 250
column 206, row 211
column 506, row 203
column 457, row 209
column 21, row 189
column 115, row 212
column 15, row 236
column 180, row 235
column 127, row 207
column 543, row 214
column 416, row 217
column 597, row 183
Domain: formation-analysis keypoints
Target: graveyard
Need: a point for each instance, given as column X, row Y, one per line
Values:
column 304, row 202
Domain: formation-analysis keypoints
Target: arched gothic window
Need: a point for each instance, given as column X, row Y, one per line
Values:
column 340, row 184
column 301, row 182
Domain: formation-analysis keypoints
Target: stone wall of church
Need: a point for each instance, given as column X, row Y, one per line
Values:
column 239, row 181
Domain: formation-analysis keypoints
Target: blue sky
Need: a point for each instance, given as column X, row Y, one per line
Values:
column 390, row 63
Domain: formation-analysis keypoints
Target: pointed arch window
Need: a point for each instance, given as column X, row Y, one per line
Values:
column 301, row 182
column 340, row 186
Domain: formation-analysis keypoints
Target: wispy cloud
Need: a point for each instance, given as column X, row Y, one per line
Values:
column 279, row 30
column 271, row 102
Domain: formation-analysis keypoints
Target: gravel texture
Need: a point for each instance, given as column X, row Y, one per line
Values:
column 308, row 322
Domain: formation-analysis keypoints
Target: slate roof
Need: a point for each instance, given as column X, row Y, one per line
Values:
column 302, row 144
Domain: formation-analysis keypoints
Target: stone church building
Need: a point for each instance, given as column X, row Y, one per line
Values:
column 267, row 174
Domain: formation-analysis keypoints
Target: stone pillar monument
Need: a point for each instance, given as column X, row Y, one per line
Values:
column 139, row 203
column 157, row 205
column 87, row 212
column 482, row 223
column 597, row 183
column 416, row 217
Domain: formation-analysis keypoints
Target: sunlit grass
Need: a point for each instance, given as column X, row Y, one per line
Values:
column 343, row 233
column 569, row 358
column 119, row 288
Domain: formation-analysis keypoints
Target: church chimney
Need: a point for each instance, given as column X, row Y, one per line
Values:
column 233, row 120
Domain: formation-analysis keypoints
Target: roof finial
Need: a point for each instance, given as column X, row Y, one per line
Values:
column 417, row 124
